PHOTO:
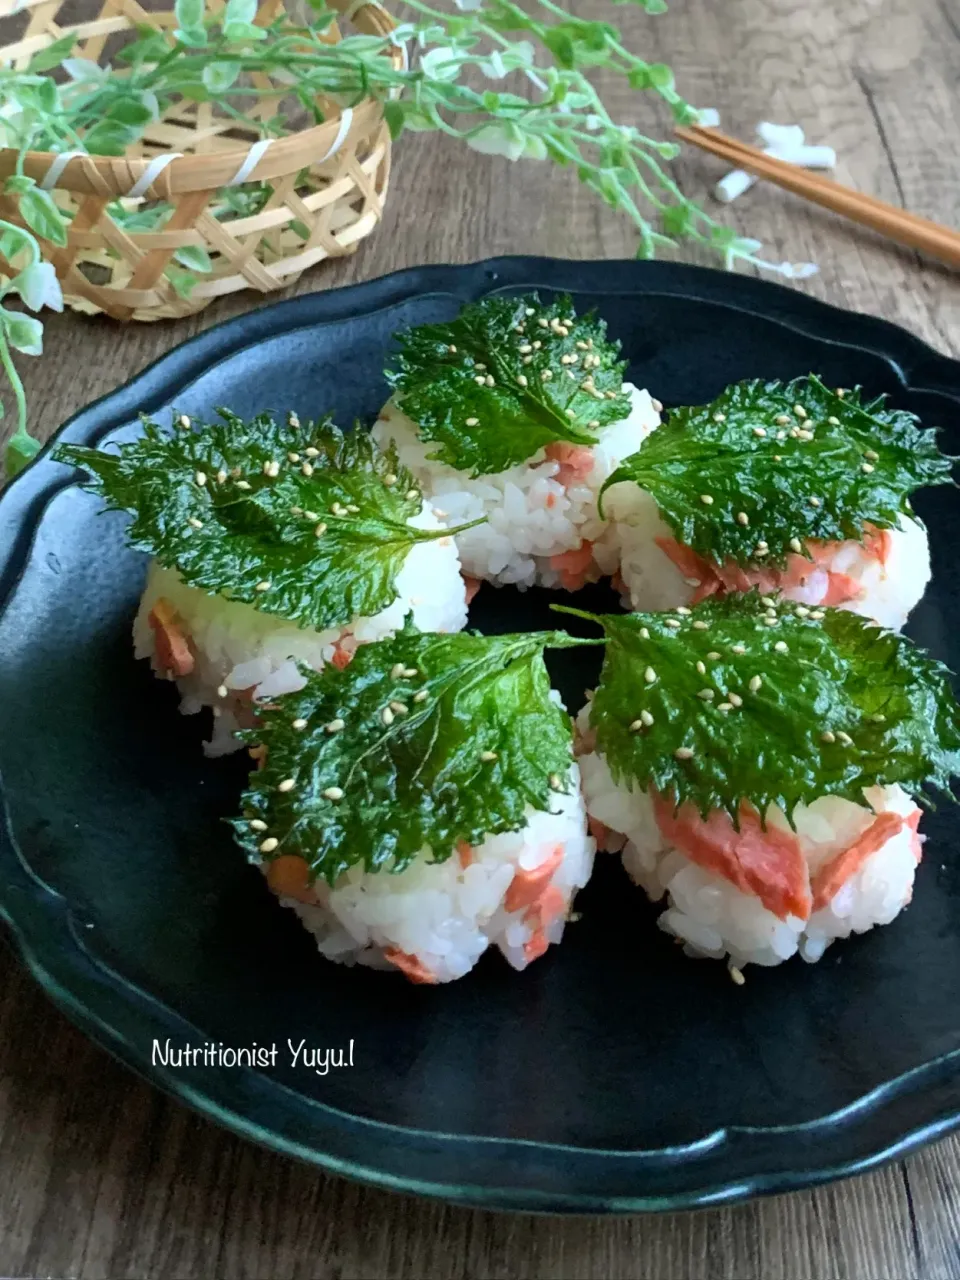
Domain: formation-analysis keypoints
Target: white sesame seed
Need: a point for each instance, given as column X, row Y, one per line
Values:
column 306, row 470
column 397, row 670
column 386, row 715
column 701, row 668
column 543, row 322
column 527, row 360
column 389, row 479
column 298, row 724
column 320, row 530
column 700, row 625
column 878, row 717
column 650, row 676
column 841, row 392
column 713, row 656
column 781, row 646
column 286, row 785
column 644, row 633
column 194, row 523
column 683, row 753
column 529, row 311
column 452, row 349
column 770, row 619
column 421, row 696
column 481, row 368
column 309, row 515
column 479, row 379
column 871, row 455
column 755, row 683
column 257, row 824
column 262, row 586
column 522, row 380
column 782, row 420
column 269, row 844
column 525, row 348
column 742, row 518
column 537, row 345
column 691, row 582
column 768, row 601
column 271, row 468
column 546, row 375
column 672, row 623
column 410, row 672
column 683, row 610
column 399, row 708
column 488, row 380
column 736, row 974
column 571, row 414
column 866, row 467
column 333, row 793
column 184, row 422
column 706, row 695
column 221, row 477
column 827, row 736
column 594, row 423
column 801, row 611
column 222, row 691
column 761, row 551
column 646, row 718
column 657, row 405
column 796, row 545
column 805, row 435
column 814, row 502
column 473, row 422
column 800, row 411
column 312, row 452
column 817, row 616
column 734, row 699
column 719, row 417
column 844, row 738
column 777, row 457
column 738, row 648
column 781, row 435
column 834, row 422
column 293, row 420
column 488, row 756
column 759, row 432
column 200, row 479
column 706, row 499
column 293, row 457
column 243, row 484
column 555, row 782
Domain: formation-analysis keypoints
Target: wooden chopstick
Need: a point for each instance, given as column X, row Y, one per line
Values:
column 896, row 224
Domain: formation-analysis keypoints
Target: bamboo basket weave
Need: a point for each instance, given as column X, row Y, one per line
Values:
column 328, row 180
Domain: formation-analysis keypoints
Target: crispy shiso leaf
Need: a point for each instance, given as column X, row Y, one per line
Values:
column 444, row 738
column 530, row 373
column 798, row 460
column 205, row 503
column 788, row 704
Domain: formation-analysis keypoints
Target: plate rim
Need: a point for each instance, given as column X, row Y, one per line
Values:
column 119, row 1016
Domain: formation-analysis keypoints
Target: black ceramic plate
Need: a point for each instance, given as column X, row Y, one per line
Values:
column 614, row 1074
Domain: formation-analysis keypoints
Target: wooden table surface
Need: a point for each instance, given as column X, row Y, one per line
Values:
column 104, row 1177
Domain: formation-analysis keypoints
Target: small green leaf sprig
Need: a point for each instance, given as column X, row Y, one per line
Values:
column 234, row 63
column 36, row 285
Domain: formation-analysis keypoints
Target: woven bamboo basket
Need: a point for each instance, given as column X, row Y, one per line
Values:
column 328, row 181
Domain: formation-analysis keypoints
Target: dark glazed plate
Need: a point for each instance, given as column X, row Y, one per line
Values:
column 615, row 1075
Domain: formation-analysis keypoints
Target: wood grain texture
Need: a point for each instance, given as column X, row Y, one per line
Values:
column 102, row 1176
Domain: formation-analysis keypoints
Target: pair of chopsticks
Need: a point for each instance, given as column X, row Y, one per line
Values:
column 896, row 224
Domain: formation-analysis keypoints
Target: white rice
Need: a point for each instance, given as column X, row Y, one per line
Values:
column 446, row 915
column 255, row 654
column 716, row 919
column 652, row 581
column 531, row 517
